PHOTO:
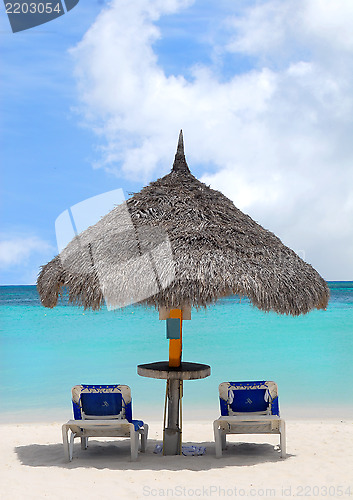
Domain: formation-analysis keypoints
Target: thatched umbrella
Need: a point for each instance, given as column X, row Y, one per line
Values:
column 176, row 244
column 182, row 243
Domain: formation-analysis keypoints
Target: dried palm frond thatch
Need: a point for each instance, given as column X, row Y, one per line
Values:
column 179, row 242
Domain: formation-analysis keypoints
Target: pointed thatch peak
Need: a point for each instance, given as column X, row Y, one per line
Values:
column 180, row 165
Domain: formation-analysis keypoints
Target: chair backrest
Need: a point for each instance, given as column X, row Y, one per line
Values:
column 259, row 397
column 102, row 402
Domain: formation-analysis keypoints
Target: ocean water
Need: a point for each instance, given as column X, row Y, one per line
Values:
column 45, row 352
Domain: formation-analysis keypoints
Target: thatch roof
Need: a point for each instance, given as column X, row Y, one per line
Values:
column 179, row 242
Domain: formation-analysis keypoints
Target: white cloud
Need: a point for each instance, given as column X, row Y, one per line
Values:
column 276, row 138
column 330, row 22
column 261, row 28
column 273, row 27
column 15, row 251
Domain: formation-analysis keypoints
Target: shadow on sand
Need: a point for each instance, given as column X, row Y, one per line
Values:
column 115, row 455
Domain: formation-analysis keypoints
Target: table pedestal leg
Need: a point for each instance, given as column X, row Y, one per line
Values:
column 172, row 433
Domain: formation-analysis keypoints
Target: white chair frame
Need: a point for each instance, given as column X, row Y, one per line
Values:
column 103, row 428
column 248, row 423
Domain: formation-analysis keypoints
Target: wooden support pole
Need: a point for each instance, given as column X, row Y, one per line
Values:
column 172, row 433
column 175, row 345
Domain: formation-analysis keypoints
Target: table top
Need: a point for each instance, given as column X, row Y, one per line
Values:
column 186, row 370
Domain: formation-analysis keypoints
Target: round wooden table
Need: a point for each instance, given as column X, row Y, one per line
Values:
column 172, row 428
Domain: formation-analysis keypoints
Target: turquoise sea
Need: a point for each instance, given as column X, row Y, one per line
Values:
column 45, row 352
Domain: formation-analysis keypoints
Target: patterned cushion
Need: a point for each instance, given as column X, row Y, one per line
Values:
column 101, row 404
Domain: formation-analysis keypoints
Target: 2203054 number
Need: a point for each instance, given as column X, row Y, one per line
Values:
column 323, row 491
column 33, row 8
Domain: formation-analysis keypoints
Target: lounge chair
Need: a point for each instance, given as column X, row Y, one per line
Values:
column 248, row 408
column 102, row 411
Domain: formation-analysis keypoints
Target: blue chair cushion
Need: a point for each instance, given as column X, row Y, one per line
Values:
column 101, row 403
column 246, row 400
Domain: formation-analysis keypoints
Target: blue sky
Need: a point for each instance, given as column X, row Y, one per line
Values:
column 93, row 101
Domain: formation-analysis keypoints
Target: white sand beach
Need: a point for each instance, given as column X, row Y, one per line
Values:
column 319, row 464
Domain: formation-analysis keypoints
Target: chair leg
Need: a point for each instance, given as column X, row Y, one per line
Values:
column 217, row 439
column 282, row 438
column 84, row 443
column 144, row 436
column 223, row 440
column 71, row 446
column 64, row 431
column 134, row 443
